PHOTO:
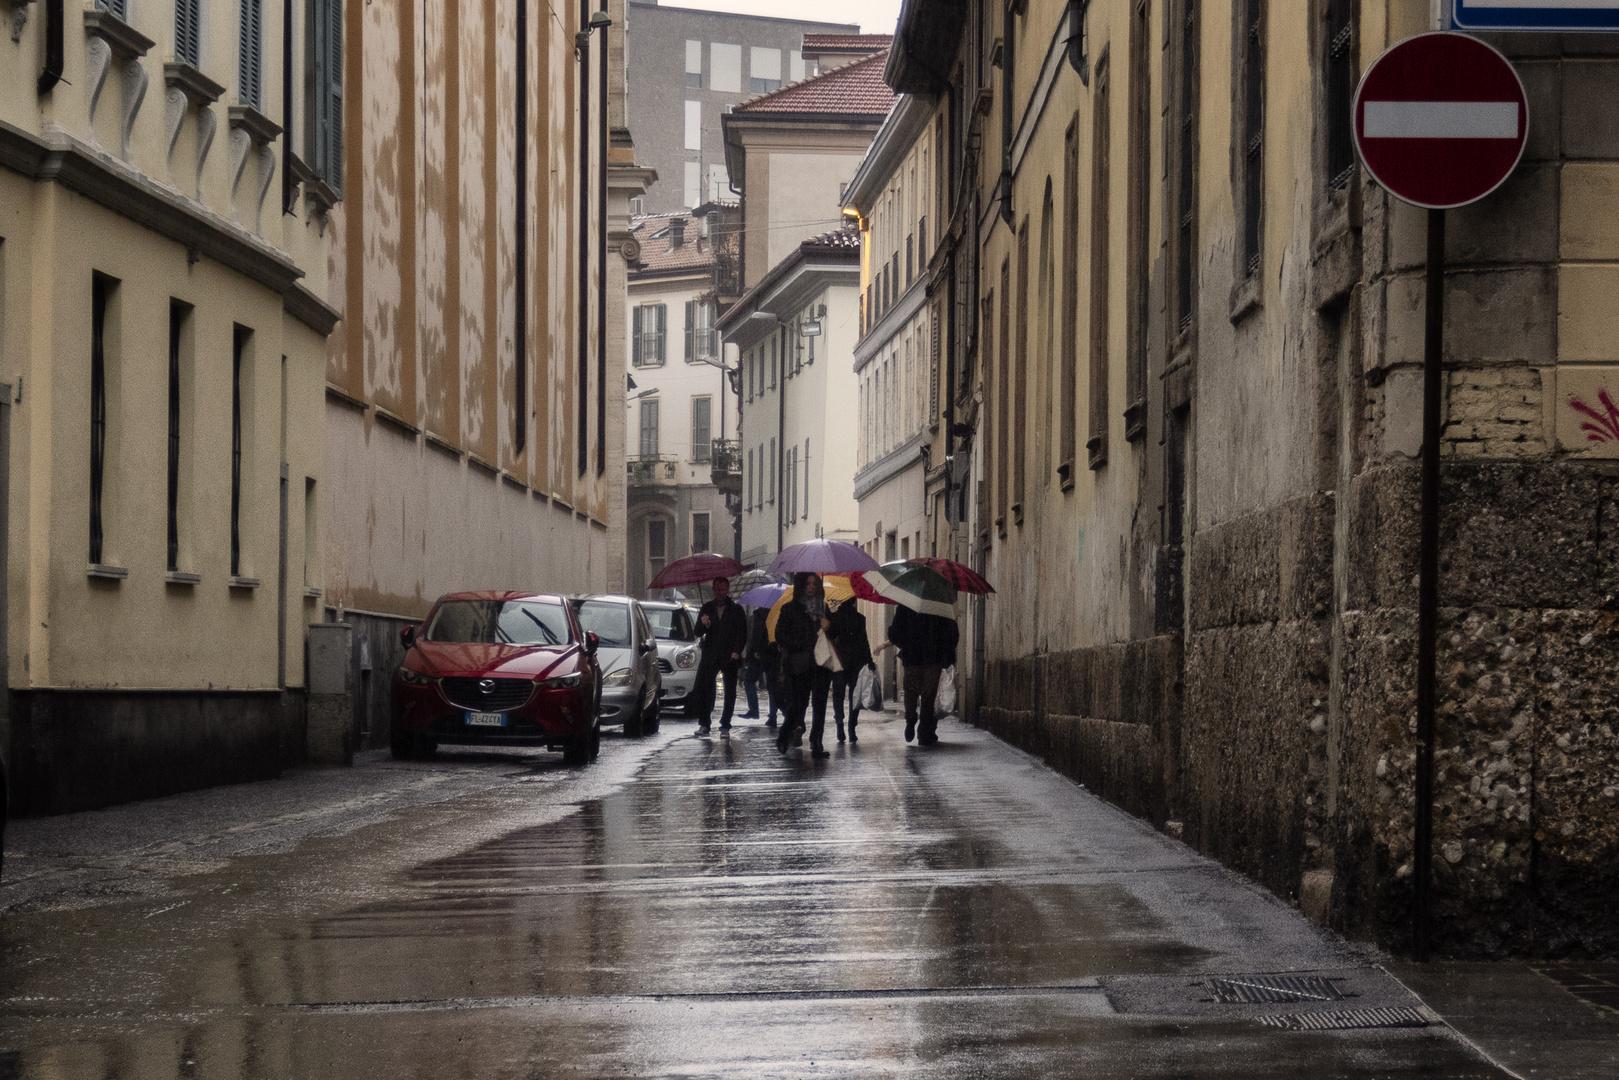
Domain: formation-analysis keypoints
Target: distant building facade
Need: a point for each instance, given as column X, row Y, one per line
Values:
column 894, row 196
column 1182, row 414
column 166, row 224
column 687, row 67
column 680, row 448
column 793, row 153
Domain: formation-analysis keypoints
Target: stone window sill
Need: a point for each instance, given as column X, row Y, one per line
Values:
column 107, row 572
column 182, row 577
column 238, row 582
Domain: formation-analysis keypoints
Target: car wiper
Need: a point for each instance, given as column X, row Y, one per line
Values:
column 550, row 638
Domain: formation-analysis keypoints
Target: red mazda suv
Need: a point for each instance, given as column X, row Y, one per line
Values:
column 498, row 669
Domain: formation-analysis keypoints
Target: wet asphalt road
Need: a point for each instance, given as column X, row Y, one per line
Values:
column 684, row 907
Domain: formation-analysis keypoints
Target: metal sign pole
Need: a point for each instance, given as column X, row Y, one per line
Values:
column 1428, row 587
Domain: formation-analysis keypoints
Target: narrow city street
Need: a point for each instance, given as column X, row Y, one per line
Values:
column 684, row 907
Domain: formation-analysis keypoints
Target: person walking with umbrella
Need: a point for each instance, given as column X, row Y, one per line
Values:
column 806, row 664
column 847, row 632
column 927, row 645
column 722, row 627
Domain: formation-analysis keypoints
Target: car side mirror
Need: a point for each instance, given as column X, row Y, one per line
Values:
column 407, row 636
column 649, row 645
column 592, row 642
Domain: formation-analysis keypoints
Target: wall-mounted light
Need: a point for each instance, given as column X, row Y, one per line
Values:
column 812, row 328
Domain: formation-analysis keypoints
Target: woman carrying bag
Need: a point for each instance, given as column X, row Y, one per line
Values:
column 848, row 635
column 808, row 662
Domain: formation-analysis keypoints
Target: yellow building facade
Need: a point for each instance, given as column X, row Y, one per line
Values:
column 1180, row 399
column 163, row 337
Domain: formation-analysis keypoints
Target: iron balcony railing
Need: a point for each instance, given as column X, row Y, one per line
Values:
column 653, row 469
column 725, row 465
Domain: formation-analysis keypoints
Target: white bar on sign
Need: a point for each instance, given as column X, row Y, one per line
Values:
column 1441, row 120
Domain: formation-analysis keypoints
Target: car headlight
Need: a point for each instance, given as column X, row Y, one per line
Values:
column 621, row 677
column 414, row 678
column 687, row 659
column 561, row 683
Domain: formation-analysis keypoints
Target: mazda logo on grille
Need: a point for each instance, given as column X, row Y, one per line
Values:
column 486, row 686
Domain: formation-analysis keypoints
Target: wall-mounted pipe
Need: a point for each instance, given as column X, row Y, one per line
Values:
column 582, row 50
column 601, row 22
column 55, row 50
column 520, row 389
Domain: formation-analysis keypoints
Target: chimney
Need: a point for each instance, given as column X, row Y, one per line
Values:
column 677, row 233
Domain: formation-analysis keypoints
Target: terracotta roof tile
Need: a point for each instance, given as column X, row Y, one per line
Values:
column 654, row 234
column 847, row 42
column 855, row 89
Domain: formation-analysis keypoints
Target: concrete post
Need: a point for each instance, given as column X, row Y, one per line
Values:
column 330, row 739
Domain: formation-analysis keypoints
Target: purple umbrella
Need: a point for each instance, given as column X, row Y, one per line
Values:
column 763, row 596
column 822, row 557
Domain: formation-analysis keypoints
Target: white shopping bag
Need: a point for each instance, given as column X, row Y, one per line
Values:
column 945, row 703
column 868, row 689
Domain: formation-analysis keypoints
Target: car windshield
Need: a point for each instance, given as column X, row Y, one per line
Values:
column 608, row 621
column 499, row 622
column 670, row 624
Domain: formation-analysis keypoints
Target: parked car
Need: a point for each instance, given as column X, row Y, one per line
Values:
column 676, row 629
column 629, row 659
column 498, row 669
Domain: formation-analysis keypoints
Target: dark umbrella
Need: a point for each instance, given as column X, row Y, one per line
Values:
column 822, row 557
column 752, row 579
column 762, row 596
column 916, row 587
column 963, row 577
column 696, row 570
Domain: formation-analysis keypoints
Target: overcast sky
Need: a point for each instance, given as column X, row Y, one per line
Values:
column 873, row 16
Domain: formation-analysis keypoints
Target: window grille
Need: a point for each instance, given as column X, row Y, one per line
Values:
column 1185, row 257
column 1253, row 136
column 99, row 290
column 1340, row 92
column 700, row 540
column 177, row 314
column 238, row 347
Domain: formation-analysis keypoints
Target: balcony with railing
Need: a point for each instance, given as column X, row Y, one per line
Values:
column 725, row 465
column 653, row 469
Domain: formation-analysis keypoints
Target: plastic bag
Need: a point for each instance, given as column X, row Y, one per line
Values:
column 945, row 703
column 868, row 689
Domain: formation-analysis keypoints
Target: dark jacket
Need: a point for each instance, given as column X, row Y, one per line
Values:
column 848, row 636
column 924, row 639
column 761, row 650
column 796, row 631
column 726, row 633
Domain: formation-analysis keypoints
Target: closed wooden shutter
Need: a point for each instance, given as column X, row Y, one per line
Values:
column 661, row 328
column 691, row 330
column 324, row 91
column 188, row 32
column 636, row 353
column 250, row 54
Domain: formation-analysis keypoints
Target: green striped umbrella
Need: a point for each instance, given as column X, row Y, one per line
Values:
column 917, row 587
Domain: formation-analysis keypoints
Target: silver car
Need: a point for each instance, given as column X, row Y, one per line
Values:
column 628, row 656
column 676, row 629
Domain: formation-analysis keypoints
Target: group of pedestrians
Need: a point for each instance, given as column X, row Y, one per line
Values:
column 818, row 652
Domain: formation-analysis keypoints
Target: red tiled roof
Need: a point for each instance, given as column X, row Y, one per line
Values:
column 855, row 89
column 838, row 240
column 654, row 235
column 847, row 42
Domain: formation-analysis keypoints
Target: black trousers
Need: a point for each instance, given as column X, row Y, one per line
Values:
column 801, row 689
column 702, row 705
column 843, row 689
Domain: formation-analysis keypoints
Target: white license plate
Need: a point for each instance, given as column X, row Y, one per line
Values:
column 486, row 719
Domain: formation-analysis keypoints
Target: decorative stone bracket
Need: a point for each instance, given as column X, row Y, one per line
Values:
column 189, row 87
column 251, row 133
column 318, row 195
column 110, row 37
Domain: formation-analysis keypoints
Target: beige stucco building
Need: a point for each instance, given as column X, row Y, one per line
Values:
column 163, row 271
column 474, row 391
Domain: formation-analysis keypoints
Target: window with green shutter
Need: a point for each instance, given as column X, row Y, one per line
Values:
column 250, row 54
column 701, row 429
column 323, row 90
column 188, row 32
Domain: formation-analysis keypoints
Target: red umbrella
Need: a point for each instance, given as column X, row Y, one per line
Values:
column 862, row 588
column 696, row 570
column 964, row 578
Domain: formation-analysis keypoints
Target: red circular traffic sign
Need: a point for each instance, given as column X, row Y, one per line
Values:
column 1441, row 120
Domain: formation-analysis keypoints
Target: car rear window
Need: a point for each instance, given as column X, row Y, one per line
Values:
column 608, row 621
column 499, row 622
column 671, row 624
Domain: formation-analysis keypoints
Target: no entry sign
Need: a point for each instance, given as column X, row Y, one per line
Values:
column 1441, row 120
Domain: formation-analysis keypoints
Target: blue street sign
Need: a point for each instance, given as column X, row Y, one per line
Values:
column 1552, row 16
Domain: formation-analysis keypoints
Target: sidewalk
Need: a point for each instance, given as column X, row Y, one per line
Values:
column 1533, row 1020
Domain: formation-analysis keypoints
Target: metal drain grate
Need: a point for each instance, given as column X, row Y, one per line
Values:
column 1270, row 989
column 1351, row 1018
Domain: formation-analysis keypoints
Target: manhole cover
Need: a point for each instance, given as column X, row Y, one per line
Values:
column 1269, row 989
column 1352, row 1018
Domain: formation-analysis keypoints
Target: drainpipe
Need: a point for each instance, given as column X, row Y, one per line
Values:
column 781, row 440
column 520, row 390
column 54, row 49
column 601, row 21
column 581, row 45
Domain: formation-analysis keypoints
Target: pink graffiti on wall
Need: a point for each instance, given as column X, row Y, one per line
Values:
column 1598, row 426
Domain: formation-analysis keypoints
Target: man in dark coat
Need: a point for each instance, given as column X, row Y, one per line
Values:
column 848, row 637
column 722, row 627
column 927, row 645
